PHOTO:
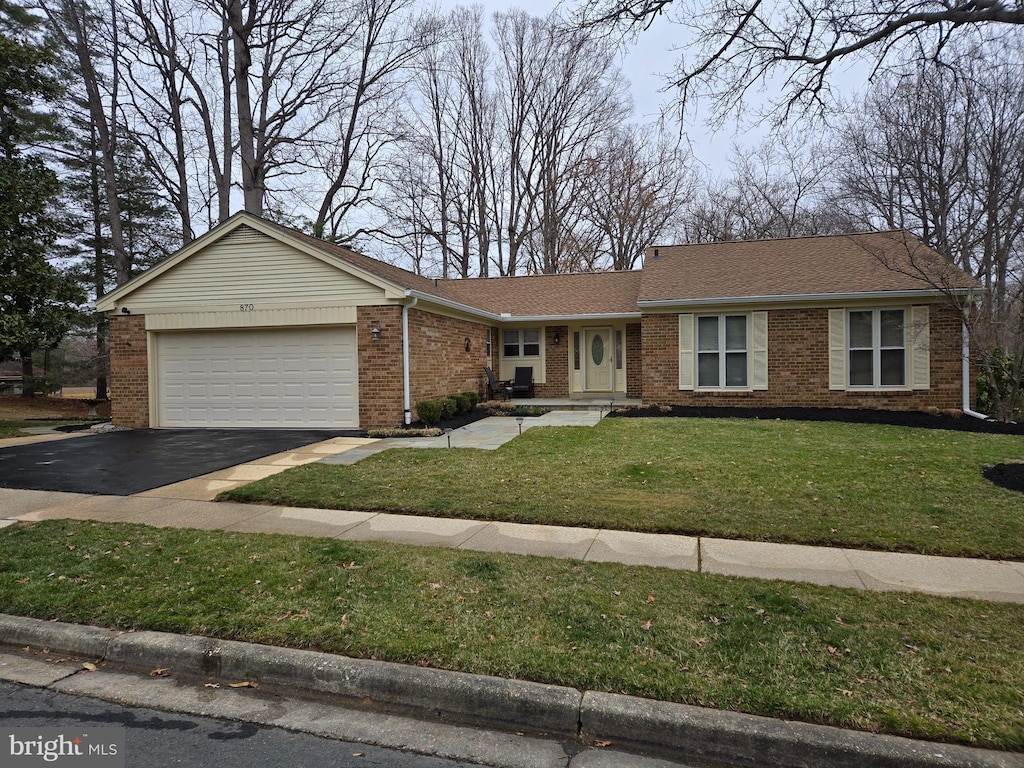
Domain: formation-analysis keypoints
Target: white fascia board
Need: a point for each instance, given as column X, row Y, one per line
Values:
column 505, row 317
column 806, row 297
column 571, row 318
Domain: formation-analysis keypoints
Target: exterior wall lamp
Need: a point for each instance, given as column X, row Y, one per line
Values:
column 468, row 344
column 375, row 333
column 557, row 337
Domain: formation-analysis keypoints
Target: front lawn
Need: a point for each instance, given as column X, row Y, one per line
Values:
column 834, row 484
column 906, row 664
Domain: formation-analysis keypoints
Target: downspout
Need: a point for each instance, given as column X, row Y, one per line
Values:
column 405, row 357
column 965, row 363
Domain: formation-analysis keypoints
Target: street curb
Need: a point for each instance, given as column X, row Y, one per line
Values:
column 433, row 693
column 763, row 741
column 676, row 730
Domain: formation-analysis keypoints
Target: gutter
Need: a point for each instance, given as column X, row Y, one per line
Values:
column 405, row 357
column 909, row 295
column 965, row 367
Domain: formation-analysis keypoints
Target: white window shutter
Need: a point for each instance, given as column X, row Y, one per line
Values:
column 837, row 349
column 686, row 351
column 759, row 350
column 920, row 362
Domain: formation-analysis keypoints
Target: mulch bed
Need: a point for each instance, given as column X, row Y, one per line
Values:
column 851, row 415
column 1009, row 476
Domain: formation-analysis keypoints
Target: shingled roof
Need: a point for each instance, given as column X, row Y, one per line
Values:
column 815, row 266
column 875, row 262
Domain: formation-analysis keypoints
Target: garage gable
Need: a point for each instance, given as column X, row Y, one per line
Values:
column 248, row 268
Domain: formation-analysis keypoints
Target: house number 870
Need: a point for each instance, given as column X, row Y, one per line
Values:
column 245, row 307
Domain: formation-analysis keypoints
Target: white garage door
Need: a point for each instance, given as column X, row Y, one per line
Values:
column 277, row 377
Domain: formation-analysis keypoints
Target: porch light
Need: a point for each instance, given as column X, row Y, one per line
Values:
column 375, row 333
column 468, row 344
column 557, row 337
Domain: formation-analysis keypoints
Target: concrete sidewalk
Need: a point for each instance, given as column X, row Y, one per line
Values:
column 189, row 504
column 880, row 571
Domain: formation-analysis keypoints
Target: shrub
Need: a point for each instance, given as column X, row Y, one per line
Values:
column 472, row 398
column 429, row 411
column 449, row 407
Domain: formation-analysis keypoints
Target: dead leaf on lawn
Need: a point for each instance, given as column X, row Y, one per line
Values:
column 646, row 624
column 160, row 672
column 434, row 586
column 26, row 580
column 244, row 684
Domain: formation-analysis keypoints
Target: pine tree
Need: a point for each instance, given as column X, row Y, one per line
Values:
column 38, row 303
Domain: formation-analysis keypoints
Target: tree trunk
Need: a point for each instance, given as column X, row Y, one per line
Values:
column 252, row 186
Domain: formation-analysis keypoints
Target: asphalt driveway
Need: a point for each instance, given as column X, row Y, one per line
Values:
column 124, row 463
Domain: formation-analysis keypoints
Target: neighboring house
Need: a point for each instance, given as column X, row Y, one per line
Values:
column 257, row 325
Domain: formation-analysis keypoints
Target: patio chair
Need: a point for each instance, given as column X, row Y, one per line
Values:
column 494, row 386
column 522, row 384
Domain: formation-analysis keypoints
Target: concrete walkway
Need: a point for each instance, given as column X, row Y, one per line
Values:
column 189, row 504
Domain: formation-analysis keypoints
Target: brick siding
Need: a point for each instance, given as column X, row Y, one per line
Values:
column 129, row 371
column 439, row 364
column 556, row 362
column 798, row 367
column 634, row 360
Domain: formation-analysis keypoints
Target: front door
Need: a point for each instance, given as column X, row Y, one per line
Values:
column 597, row 351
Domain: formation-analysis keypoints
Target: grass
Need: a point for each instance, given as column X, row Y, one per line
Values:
column 911, row 665
column 833, row 484
column 13, row 427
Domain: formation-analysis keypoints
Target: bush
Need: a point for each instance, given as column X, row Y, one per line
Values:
column 472, row 398
column 429, row 411
column 449, row 407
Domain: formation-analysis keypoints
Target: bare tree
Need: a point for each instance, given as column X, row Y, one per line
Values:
column 737, row 45
column 637, row 183
column 381, row 40
column 783, row 187
column 938, row 152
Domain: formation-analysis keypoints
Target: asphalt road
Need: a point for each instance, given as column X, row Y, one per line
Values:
column 156, row 739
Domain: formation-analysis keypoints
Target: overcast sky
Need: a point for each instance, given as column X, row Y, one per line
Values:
column 646, row 64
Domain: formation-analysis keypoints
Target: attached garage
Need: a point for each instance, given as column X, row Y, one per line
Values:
column 257, row 377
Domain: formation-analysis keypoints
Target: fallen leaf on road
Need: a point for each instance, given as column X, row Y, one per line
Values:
column 244, row 684
column 89, row 666
column 211, row 685
column 602, row 743
column 160, row 672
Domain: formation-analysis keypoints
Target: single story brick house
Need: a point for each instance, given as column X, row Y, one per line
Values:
column 258, row 325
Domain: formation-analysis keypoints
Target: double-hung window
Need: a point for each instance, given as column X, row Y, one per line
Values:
column 523, row 342
column 877, row 348
column 722, row 351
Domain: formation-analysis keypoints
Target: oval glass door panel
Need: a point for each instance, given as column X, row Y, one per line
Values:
column 598, row 374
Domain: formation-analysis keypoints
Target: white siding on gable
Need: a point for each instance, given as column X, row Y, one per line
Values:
column 246, row 270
